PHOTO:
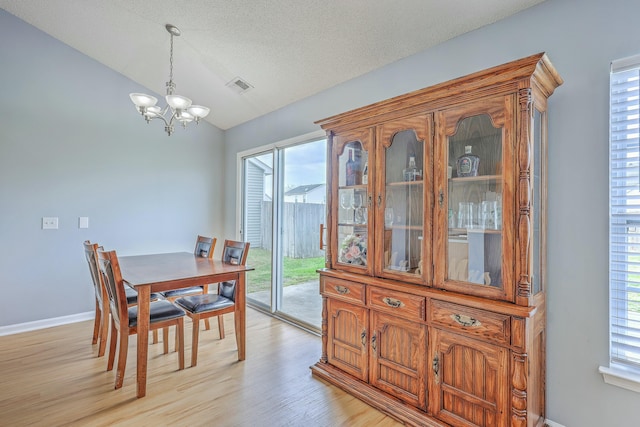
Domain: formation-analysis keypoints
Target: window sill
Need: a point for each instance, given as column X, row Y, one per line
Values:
column 621, row 377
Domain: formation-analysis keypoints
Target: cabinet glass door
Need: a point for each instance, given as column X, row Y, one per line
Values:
column 351, row 205
column 474, row 216
column 405, row 170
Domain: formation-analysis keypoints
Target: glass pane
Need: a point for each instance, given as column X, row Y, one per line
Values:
column 474, row 244
column 403, row 204
column 304, row 170
column 352, row 205
column 258, row 229
column 536, row 270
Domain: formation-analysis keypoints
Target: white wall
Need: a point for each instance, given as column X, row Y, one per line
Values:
column 71, row 144
column 581, row 38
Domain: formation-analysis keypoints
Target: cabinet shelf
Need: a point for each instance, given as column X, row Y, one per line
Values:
column 479, row 178
column 403, row 227
column 463, row 231
column 358, row 187
column 404, row 183
column 352, row 224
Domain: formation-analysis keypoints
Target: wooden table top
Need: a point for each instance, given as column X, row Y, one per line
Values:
column 164, row 271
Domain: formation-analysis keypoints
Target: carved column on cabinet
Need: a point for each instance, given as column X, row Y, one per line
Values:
column 523, row 292
column 325, row 328
column 519, row 390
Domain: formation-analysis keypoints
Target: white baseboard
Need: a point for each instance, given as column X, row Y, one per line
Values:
column 552, row 423
column 45, row 323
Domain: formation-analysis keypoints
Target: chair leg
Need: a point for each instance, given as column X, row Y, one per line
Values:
column 180, row 344
column 221, row 326
column 112, row 345
column 104, row 332
column 207, row 325
column 165, row 340
column 194, row 341
column 96, row 324
column 155, row 336
column 176, row 343
column 122, row 358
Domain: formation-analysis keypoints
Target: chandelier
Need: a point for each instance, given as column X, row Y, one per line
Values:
column 178, row 109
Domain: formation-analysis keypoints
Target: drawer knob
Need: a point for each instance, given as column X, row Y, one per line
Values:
column 464, row 320
column 391, row 302
column 342, row 290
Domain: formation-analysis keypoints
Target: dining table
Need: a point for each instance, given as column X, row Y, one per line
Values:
column 168, row 271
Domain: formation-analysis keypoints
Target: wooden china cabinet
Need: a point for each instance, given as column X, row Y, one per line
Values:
column 434, row 286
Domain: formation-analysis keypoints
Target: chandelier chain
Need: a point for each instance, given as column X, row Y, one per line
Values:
column 171, row 62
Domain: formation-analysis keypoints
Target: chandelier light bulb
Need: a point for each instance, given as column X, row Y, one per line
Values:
column 143, row 100
column 178, row 102
column 198, row 111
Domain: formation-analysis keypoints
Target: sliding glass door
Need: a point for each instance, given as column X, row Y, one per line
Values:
column 284, row 198
column 258, row 225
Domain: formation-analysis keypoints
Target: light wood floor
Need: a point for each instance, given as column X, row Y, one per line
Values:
column 52, row 377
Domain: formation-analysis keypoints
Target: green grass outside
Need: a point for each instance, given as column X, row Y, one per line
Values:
column 296, row 270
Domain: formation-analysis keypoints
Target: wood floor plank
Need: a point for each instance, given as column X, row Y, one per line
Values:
column 52, row 377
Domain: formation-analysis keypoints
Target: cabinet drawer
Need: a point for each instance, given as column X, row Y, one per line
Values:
column 471, row 321
column 348, row 291
column 398, row 303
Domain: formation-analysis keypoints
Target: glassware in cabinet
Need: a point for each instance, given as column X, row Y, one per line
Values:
column 351, row 208
column 402, row 202
column 474, row 216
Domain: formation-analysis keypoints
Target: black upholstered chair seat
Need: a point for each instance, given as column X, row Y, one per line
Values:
column 202, row 303
column 175, row 293
column 132, row 295
column 158, row 311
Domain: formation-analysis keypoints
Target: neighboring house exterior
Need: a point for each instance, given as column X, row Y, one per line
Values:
column 255, row 196
column 310, row 193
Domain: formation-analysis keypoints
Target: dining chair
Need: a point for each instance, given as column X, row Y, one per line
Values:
column 207, row 305
column 124, row 319
column 101, row 320
column 204, row 248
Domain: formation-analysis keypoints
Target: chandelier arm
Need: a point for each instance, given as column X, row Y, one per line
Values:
column 159, row 117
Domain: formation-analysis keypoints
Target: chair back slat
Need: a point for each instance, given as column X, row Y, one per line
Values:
column 110, row 271
column 90, row 251
column 233, row 252
column 205, row 246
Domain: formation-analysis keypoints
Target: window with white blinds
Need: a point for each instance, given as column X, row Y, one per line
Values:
column 624, row 214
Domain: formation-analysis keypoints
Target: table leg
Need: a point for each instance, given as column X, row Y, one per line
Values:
column 240, row 314
column 143, row 338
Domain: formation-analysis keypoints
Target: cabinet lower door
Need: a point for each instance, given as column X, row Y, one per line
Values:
column 469, row 380
column 347, row 339
column 398, row 353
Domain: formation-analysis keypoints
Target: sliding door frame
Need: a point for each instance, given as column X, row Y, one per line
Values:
column 276, row 149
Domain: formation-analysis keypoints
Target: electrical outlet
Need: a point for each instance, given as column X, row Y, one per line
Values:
column 83, row 222
column 49, row 222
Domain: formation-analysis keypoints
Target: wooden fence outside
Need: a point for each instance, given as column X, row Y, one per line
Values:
column 301, row 228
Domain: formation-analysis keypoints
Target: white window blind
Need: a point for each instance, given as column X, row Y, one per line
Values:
column 624, row 214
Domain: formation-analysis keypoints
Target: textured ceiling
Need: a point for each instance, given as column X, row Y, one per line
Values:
column 286, row 49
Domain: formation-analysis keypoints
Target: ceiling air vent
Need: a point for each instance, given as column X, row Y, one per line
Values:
column 239, row 85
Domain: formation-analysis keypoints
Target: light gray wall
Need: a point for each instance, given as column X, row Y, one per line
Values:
column 581, row 38
column 71, row 145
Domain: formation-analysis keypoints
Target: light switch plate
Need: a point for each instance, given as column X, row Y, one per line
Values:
column 83, row 222
column 49, row 222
